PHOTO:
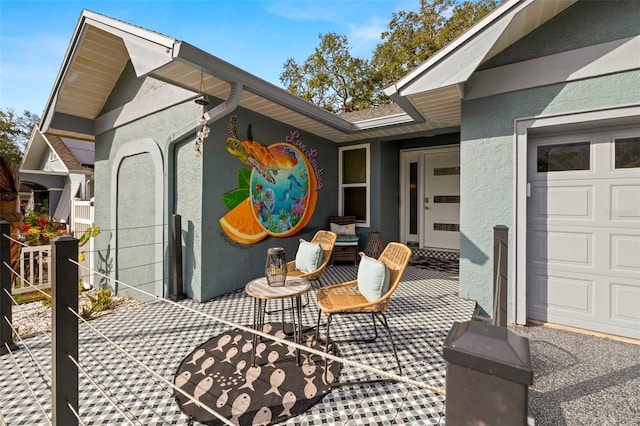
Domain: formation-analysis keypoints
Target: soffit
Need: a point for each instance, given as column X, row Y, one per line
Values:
column 439, row 105
column 93, row 71
column 190, row 77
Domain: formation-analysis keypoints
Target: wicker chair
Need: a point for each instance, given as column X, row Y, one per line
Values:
column 346, row 299
column 346, row 248
column 327, row 240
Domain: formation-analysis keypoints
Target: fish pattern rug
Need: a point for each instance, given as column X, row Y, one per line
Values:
column 219, row 374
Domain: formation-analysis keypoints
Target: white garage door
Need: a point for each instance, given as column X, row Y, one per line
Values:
column 583, row 230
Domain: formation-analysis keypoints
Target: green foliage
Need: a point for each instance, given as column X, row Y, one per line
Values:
column 244, row 176
column 335, row 80
column 15, row 132
column 87, row 314
column 232, row 198
column 331, row 77
column 37, row 229
column 91, row 232
column 410, row 39
column 103, row 299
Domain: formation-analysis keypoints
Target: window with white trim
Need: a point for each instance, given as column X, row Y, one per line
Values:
column 353, row 182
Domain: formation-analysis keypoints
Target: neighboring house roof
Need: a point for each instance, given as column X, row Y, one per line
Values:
column 380, row 111
column 71, row 151
column 427, row 99
column 74, row 156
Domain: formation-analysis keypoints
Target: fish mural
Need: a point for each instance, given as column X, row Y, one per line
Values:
column 276, row 196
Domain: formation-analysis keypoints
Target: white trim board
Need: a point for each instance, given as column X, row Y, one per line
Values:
column 158, row 100
column 587, row 62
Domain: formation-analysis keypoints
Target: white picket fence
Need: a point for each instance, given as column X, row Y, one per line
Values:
column 34, row 260
column 82, row 215
column 34, row 268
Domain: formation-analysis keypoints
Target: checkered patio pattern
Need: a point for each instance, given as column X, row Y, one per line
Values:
column 160, row 335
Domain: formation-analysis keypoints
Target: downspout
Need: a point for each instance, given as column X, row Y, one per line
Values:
column 212, row 115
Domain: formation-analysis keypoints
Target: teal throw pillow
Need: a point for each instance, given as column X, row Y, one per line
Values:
column 308, row 257
column 373, row 278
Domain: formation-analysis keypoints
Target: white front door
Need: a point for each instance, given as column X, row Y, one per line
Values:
column 430, row 198
column 583, row 230
column 441, row 200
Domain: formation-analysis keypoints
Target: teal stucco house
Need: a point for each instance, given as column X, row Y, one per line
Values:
column 530, row 119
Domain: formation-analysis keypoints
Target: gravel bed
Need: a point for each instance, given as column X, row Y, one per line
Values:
column 581, row 379
column 32, row 318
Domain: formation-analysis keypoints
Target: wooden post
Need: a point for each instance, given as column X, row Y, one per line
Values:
column 6, row 317
column 500, row 272
column 10, row 205
column 176, row 258
column 64, row 328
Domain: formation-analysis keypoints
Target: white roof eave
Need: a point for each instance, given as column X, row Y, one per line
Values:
column 454, row 63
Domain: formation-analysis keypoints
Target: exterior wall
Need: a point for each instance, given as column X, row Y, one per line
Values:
column 385, row 181
column 49, row 164
column 193, row 187
column 226, row 265
column 53, row 183
column 188, row 204
column 487, row 135
column 585, row 23
column 128, row 190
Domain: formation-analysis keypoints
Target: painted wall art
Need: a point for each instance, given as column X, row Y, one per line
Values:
column 277, row 195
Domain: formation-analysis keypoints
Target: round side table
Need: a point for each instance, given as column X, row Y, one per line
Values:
column 261, row 292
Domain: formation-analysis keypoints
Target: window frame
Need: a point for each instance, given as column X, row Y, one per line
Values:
column 366, row 184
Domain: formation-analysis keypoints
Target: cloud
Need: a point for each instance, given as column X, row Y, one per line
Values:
column 304, row 11
column 367, row 33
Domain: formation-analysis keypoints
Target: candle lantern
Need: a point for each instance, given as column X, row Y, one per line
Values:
column 276, row 267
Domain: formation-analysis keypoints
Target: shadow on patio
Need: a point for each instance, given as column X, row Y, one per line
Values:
column 161, row 335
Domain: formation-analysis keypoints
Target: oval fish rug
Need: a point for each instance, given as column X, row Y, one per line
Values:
column 219, row 374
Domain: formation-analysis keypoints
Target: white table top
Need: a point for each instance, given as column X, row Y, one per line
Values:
column 292, row 287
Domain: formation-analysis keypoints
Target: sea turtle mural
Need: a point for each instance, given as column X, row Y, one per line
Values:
column 276, row 196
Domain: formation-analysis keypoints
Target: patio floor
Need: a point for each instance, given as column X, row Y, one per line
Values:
column 161, row 335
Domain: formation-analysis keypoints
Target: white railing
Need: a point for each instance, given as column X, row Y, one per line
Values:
column 34, row 269
column 82, row 216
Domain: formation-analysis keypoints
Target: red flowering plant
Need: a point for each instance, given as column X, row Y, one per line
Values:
column 38, row 229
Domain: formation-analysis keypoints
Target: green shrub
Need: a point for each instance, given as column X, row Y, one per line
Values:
column 103, row 299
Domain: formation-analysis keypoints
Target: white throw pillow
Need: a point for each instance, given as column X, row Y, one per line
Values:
column 308, row 257
column 343, row 229
column 373, row 278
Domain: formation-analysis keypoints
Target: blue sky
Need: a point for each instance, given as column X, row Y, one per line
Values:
column 256, row 35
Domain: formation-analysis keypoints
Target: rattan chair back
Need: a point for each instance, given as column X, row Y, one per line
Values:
column 326, row 240
column 396, row 256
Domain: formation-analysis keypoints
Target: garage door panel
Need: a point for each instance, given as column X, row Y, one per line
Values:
column 570, row 294
column 562, row 247
column 563, row 202
column 625, row 203
column 625, row 253
column 625, row 303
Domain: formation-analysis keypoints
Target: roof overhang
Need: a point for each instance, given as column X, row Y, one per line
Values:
column 430, row 96
column 101, row 47
column 436, row 87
